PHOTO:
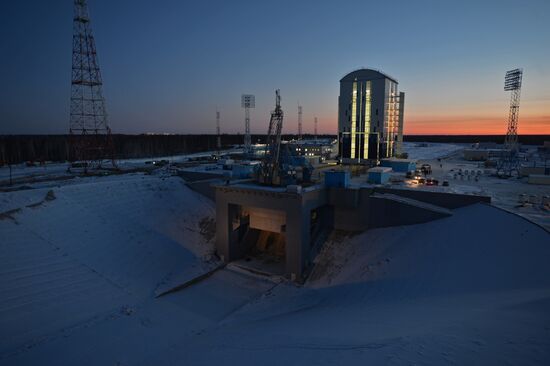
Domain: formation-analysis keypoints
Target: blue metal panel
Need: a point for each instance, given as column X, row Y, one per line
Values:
column 335, row 178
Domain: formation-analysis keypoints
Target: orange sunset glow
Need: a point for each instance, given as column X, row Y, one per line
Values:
column 445, row 125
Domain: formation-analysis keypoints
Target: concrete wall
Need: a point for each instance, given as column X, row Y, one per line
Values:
column 356, row 209
column 525, row 171
column 538, row 179
column 191, row 176
column 442, row 199
column 350, row 209
column 360, row 210
column 385, row 212
column 205, row 187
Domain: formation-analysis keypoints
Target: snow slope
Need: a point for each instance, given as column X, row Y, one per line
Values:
column 92, row 249
column 473, row 288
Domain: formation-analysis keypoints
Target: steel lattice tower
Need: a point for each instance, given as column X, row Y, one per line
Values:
column 90, row 135
column 512, row 82
column 509, row 161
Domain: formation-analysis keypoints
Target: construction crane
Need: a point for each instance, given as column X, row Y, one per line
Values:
column 270, row 165
column 279, row 166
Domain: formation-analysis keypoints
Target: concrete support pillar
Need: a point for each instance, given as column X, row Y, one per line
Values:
column 222, row 228
column 226, row 239
column 297, row 240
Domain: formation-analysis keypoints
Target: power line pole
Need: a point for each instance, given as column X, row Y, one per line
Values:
column 315, row 128
column 299, row 122
column 89, row 133
column 218, row 135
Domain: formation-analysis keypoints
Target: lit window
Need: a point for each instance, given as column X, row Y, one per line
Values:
column 353, row 118
column 367, row 121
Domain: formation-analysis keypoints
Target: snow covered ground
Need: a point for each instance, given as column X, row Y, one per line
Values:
column 82, row 263
column 423, row 294
column 504, row 193
column 429, row 150
column 79, row 252
column 21, row 173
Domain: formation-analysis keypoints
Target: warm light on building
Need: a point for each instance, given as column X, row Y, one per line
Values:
column 370, row 117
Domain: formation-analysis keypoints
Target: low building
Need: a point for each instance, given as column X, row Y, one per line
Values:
column 476, row 154
column 399, row 165
column 379, row 175
column 539, row 179
column 322, row 148
column 526, row 171
column 337, row 178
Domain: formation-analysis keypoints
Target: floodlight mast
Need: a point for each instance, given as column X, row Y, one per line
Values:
column 512, row 82
column 247, row 101
column 508, row 162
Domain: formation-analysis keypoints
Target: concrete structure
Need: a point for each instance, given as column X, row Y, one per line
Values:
column 399, row 165
column 378, row 175
column 370, row 117
column 244, row 211
column 476, row 154
column 291, row 225
column 526, row 171
column 538, row 179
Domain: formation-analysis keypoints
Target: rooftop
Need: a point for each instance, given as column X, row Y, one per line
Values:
column 366, row 74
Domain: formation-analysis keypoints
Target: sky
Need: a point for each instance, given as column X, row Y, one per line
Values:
column 168, row 65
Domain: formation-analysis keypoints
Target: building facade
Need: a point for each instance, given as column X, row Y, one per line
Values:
column 370, row 117
column 323, row 148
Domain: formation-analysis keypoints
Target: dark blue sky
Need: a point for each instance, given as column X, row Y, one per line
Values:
column 168, row 64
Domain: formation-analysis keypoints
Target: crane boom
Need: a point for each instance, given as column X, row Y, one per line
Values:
column 270, row 164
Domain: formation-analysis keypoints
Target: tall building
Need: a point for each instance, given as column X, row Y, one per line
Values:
column 370, row 117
